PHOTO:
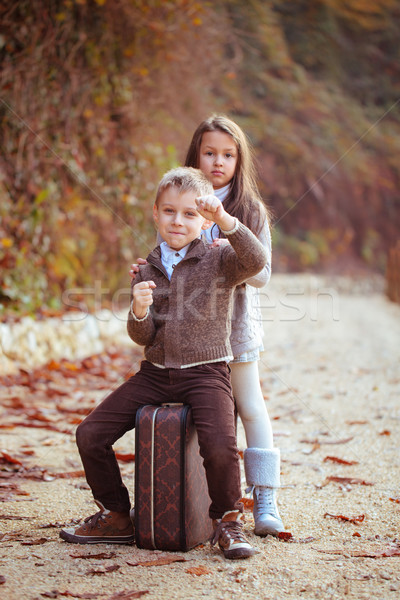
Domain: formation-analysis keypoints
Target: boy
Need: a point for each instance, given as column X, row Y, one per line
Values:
column 180, row 311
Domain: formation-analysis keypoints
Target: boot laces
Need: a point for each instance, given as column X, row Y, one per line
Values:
column 92, row 521
column 265, row 499
column 231, row 528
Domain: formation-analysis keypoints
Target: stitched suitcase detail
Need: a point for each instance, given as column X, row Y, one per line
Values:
column 171, row 495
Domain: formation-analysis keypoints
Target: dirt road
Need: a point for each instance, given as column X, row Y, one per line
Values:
column 331, row 378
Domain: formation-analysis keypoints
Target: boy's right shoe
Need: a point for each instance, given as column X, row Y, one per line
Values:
column 106, row 526
column 228, row 532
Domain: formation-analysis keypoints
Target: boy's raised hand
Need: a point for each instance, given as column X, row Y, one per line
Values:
column 212, row 209
column 209, row 207
column 142, row 297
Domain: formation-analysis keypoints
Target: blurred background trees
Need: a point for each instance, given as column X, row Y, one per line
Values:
column 98, row 98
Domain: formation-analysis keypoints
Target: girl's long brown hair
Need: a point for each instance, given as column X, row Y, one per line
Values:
column 244, row 200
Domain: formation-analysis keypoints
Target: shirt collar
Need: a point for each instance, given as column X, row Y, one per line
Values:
column 168, row 253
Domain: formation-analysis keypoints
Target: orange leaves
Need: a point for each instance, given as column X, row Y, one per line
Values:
column 367, row 553
column 340, row 461
column 99, row 555
column 55, row 397
column 157, row 562
column 128, row 457
column 248, row 504
column 102, row 569
column 201, row 570
column 354, row 520
column 328, row 442
column 285, row 535
column 348, row 480
column 5, row 457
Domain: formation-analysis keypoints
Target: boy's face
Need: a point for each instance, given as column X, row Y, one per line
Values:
column 177, row 218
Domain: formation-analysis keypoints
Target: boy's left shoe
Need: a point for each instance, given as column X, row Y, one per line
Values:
column 228, row 532
column 105, row 527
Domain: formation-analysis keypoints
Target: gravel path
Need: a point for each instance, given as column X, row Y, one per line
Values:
column 331, row 378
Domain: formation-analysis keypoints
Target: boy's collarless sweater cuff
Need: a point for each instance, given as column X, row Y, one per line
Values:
column 234, row 228
column 137, row 318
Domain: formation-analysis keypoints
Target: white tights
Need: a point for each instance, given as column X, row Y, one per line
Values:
column 251, row 405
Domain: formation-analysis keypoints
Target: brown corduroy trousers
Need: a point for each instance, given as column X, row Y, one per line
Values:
column 207, row 390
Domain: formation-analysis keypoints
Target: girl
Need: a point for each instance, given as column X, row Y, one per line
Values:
column 221, row 150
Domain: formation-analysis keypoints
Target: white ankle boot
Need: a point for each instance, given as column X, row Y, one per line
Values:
column 262, row 468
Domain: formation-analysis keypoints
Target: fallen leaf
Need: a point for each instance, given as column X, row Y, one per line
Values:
column 7, row 458
column 340, row 461
column 125, row 457
column 248, row 503
column 285, row 535
column 383, row 553
column 332, row 442
column 397, row 500
column 348, row 480
column 358, row 519
column 385, row 432
column 37, row 542
column 312, row 449
column 15, row 518
column 102, row 569
column 157, row 562
column 356, row 534
column 127, row 595
column 100, row 555
column 68, row 475
column 85, row 596
column 198, row 570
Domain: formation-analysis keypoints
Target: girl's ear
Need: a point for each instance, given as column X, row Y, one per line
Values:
column 155, row 213
column 207, row 224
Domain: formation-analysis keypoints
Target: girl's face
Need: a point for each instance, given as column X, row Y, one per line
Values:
column 218, row 157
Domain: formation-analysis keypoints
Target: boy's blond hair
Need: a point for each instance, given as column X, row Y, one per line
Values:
column 185, row 179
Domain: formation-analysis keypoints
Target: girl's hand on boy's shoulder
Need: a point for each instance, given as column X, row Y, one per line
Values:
column 219, row 242
column 134, row 270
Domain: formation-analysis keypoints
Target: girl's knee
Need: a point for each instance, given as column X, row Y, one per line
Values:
column 253, row 412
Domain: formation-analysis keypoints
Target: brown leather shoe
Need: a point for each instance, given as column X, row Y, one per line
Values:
column 229, row 535
column 106, row 526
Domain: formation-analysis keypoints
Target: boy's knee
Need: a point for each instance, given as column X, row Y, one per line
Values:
column 86, row 439
column 220, row 454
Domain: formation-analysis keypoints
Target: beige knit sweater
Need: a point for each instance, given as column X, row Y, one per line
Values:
column 189, row 321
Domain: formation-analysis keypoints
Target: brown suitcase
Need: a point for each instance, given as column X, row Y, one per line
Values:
column 171, row 494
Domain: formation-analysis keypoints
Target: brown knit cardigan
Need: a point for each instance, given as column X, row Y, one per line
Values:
column 189, row 321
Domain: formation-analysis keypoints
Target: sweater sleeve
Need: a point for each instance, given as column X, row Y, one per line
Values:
column 244, row 257
column 140, row 331
column 263, row 277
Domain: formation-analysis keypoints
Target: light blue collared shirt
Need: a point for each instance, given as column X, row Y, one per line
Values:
column 170, row 257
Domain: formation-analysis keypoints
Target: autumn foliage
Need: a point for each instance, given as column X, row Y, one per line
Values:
column 99, row 98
